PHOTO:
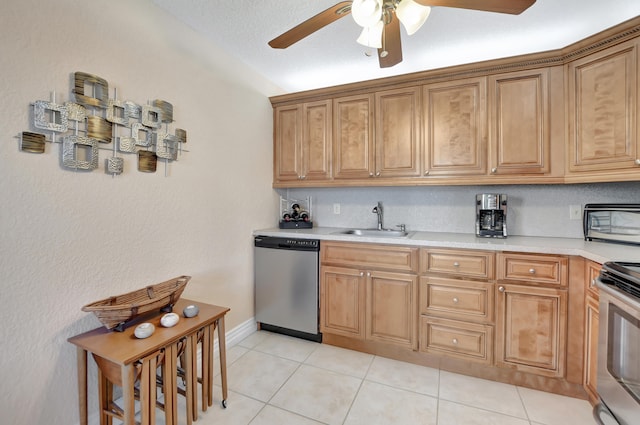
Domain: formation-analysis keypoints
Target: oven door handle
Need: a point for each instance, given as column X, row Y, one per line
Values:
column 601, row 408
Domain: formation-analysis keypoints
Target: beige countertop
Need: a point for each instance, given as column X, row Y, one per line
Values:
column 596, row 251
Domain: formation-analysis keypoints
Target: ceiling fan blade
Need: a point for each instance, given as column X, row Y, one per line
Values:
column 311, row 25
column 391, row 45
column 514, row 7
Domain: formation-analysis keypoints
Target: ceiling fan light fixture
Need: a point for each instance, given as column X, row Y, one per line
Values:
column 372, row 36
column 366, row 13
column 412, row 15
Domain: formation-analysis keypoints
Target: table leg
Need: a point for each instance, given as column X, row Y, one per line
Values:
column 82, row 384
column 223, row 361
column 207, row 350
column 189, row 376
column 153, row 391
column 145, row 396
column 128, row 394
column 170, row 384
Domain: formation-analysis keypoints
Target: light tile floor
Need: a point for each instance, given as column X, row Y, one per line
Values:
column 279, row 380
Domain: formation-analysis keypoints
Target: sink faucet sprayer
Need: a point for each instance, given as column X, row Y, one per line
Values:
column 378, row 210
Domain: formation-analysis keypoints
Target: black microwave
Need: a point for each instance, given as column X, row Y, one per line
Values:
column 616, row 223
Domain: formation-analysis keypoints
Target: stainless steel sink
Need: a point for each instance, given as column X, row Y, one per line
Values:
column 375, row 233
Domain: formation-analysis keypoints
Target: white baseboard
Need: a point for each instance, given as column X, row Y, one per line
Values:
column 234, row 336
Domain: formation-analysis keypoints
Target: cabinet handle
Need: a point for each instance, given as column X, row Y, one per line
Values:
column 426, row 173
column 455, row 341
column 638, row 161
column 494, row 170
column 593, row 282
column 378, row 174
column 456, row 264
column 368, row 274
column 532, row 271
column 303, row 177
column 455, row 300
column 370, row 174
column 501, row 288
column 361, row 273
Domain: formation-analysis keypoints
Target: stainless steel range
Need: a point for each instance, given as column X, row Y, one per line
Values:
column 619, row 344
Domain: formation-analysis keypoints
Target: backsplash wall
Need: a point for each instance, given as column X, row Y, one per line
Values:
column 536, row 210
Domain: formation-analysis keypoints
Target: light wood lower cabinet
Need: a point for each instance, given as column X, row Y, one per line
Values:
column 591, row 322
column 470, row 341
column 359, row 300
column 342, row 301
column 531, row 327
column 501, row 316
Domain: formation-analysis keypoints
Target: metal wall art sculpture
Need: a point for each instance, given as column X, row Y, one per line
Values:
column 95, row 120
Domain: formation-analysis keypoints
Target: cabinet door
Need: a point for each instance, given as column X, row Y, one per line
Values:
column 455, row 127
column 287, row 138
column 353, row 154
column 391, row 308
column 603, row 110
column 519, row 122
column 397, row 133
column 316, row 140
column 342, row 301
column 531, row 327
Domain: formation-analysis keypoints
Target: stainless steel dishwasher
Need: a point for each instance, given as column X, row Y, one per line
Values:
column 286, row 286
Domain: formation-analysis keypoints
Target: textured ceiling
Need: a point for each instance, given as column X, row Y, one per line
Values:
column 331, row 55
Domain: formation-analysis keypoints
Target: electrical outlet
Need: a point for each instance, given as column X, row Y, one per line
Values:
column 575, row 212
column 336, row 208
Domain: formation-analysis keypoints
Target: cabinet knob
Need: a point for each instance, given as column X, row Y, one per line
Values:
column 361, row 273
column 368, row 274
column 532, row 271
column 494, row 170
column 456, row 264
column 303, row 177
column 370, row 174
column 501, row 288
column 593, row 282
column 455, row 341
column 378, row 174
column 638, row 161
column 426, row 173
column 455, row 300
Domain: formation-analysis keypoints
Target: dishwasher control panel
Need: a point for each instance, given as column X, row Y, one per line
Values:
column 287, row 243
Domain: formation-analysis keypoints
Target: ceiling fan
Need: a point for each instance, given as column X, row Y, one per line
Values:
column 380, row 20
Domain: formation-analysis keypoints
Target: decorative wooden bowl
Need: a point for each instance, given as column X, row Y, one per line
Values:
column 115, row 312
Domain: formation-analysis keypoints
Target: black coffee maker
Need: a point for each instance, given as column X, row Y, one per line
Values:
column 491, row 215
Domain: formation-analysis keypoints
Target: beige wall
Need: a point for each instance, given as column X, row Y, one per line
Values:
column 69, row 238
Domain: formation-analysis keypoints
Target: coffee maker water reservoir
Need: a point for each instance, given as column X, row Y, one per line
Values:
column 491, row 215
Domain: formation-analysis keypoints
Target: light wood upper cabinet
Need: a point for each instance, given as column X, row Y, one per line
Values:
column 603, row 110
column 397, row 118
column 455, row 127
column 287, row 143
column 302, row 143
column 353, row 152
column 519, row 133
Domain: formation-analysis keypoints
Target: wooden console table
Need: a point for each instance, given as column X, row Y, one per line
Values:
column 139, row 357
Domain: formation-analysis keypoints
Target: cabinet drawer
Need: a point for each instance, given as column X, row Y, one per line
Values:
column 369, row 256
column 470, row 341
column 476, row 264
column 457, row 299
column 533, row 268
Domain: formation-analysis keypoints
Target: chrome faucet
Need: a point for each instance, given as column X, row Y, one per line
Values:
column 378, row 210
